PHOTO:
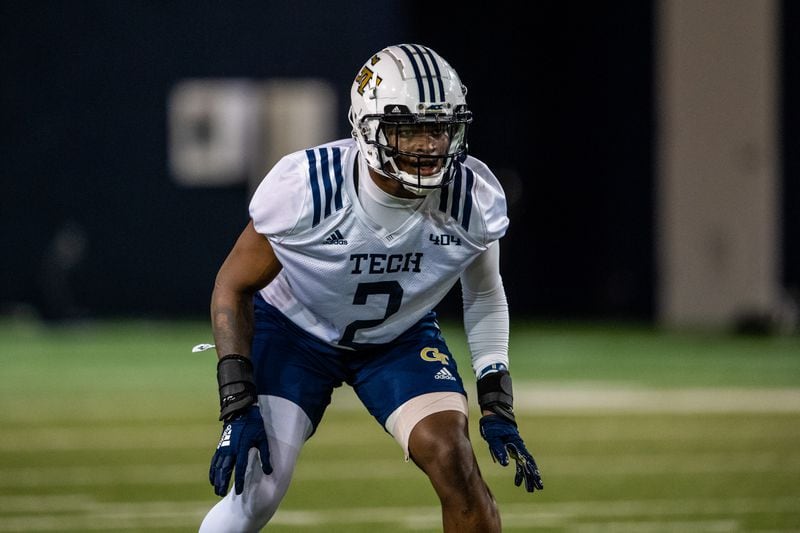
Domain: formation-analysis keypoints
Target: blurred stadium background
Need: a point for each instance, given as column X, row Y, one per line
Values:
column 650, row 151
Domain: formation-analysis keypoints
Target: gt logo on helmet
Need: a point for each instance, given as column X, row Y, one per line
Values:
column 364, row 78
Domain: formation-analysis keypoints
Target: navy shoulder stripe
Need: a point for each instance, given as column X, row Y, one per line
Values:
column 326, row 180
column 456, row 198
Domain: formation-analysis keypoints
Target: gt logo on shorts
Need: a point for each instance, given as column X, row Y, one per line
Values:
column 433, row 354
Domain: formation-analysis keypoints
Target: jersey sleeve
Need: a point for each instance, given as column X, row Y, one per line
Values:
column 280, row 202
column 490, row 201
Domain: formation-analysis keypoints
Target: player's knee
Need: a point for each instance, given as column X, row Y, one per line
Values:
column 263, row 493
column 440, row 446
column 249, row 511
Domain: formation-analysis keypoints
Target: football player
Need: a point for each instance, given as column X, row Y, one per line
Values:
column 350, row 247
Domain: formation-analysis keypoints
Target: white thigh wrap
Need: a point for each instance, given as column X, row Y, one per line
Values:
column 404, row 418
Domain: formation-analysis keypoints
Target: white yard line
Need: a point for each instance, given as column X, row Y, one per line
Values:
column 396, row 469
column 549, row 398
column 712, row 515
column 600, row 397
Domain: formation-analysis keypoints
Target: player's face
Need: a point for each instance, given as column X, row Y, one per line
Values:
column 422, row 139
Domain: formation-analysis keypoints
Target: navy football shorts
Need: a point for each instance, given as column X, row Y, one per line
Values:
column 297, row 366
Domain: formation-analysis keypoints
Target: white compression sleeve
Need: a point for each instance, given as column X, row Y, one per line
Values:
column 288, row 428
column 486, row 319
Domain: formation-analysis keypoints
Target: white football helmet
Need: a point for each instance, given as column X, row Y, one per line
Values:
column 409, row 85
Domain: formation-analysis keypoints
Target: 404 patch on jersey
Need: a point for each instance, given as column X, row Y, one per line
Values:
column 445, row 239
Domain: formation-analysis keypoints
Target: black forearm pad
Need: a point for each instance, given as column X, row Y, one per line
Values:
column 495, row 394
column 237, row 388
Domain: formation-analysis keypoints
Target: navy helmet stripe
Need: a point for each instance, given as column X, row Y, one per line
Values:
column 421, row 56
column 337, row 170
column 468, row 200
column 326, row 180
column 417, row 74
column 437, row 72
column 312, row 172
column 456, row 194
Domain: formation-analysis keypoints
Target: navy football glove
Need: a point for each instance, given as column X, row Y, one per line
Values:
column 238, row 436
column 504, row 441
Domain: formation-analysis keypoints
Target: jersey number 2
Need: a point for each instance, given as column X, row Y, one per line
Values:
column 364, row 291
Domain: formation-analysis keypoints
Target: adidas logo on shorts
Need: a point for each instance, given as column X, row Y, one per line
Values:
column 444, row 374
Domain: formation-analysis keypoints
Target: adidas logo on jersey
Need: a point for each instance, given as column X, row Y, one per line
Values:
column 444, row 374
column 335, row 238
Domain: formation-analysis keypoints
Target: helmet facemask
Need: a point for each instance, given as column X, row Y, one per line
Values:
column 417, row 150
column 409, row 116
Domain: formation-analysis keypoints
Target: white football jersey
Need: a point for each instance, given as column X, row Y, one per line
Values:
column 346, row 279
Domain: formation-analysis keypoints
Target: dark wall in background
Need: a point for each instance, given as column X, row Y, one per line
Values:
column 563, row 109
column 790, row 135
column 563, row 101
column 84, row 91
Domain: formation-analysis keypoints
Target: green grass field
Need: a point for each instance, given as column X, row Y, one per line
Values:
column 110, row 426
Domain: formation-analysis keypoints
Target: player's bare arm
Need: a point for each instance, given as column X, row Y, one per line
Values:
column 250, row 266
